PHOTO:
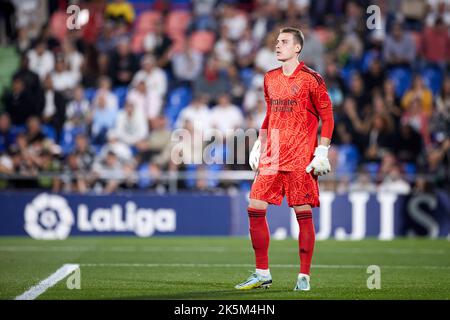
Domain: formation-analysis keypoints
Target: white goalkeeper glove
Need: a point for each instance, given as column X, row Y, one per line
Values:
column 320, row 163
column 254, row 155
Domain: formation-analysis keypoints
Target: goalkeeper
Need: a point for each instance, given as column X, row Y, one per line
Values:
column 286, row 156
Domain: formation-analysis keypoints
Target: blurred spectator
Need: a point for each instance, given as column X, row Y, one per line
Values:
column 154, row 77
column 224, row 48
column 108, row 38
column 358, row 92
column 104, row 89
column 419, row 91
column 30, row 78
column 64, row 80
column 417, row 119
column 148, row 102
column 399, row 48
column 408, row 144
column 266, row 59
column 379, row 139
column 394, row 183
column 435, row 44
column 131, row 124
column 438, row 9
column 440, row 121
column 41, row 60
column 73, row 58
column 120, row 10
column 233, row 21
column 246, row 49
column 225, row 116
column 187, row 65
column 363, row 183
column 78, row 110
column 122, row 64
column 19, row 102
column 196, row 113
column 335, row 83
column 254, row 93
column 375, row 76
column 159, row 44
column 84, row 152
column 90, row 68
column 110, row 173
column 54, row 111
column 237, row 89
column 74, row 179
column 47, row 166
column 213, row 81
column 103, row 118
column 6, row 134
column 157, row 146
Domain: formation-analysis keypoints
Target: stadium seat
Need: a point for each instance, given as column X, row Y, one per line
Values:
column 180, row 4
column 202, row 41
column 137, row 43
column 367, row 59
column 346, row 74
column 141, row 6
column 177, row 100
column 67, row 140
column 144, row 178
column 177, row 22
column 58, row 25
column 246, row 76
column 121, row 93
column 432, row 77
column 49, row 132
column 402, row 78
column 89, row 93
column 147, row 21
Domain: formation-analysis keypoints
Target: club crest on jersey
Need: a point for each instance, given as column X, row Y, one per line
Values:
column 295, row 89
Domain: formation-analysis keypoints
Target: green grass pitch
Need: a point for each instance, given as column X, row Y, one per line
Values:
column 208, row 268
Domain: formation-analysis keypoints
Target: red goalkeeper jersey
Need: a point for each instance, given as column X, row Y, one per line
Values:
column 295, row 104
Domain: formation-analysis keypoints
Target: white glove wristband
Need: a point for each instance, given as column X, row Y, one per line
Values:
column 321, row 151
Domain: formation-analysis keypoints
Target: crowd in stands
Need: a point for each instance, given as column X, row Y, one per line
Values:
column 94, row 108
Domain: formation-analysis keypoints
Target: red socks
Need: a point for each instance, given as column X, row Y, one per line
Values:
column 306, row 239
column 259, row 233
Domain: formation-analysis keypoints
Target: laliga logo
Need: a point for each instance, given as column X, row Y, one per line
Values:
column 48, row 217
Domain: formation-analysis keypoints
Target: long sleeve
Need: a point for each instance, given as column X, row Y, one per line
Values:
column 322, row 103
column 265, row 124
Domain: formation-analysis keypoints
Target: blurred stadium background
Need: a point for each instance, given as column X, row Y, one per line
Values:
column 90, row 99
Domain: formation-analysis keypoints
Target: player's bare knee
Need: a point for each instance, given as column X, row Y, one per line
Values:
column 258, row 204
column 305, row 207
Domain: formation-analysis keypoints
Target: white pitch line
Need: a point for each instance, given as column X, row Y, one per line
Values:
column 49, row 282
column 238, row 265
column 212, row 249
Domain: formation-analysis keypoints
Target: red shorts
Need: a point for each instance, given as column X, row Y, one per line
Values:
column 300, row 188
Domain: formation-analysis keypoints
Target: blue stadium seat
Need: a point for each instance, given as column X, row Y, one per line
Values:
column 121, row 93
column 246, row 76
column 372, row 169
column 15, row 130
column 144, row 178
column 49, row 132
column 67, row 140
column 367, row 59
column 432, row 77
column 346, row 74
column 402, row 78
column 177, row 100
column 89, row 93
